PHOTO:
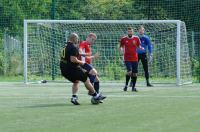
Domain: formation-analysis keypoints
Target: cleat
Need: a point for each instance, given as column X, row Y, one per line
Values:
column 98, row 99
column 74, row 101
column 94, row 101
column 149, row 85
column 134, row 90
column 101, row 97
column 125, row 88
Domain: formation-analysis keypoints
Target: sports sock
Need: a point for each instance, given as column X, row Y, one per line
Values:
column 96, row 86
column 74, row 96
column 127, row 80
column 134, row 79
column 147, row 80
column 94, row 94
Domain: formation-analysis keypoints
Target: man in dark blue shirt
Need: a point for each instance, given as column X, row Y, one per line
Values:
column 142, row 54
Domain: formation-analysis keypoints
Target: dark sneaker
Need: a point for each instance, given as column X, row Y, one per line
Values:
column 75, row 101
column 134, row 90
column 101, row 97
column 125, row 88
column 97, row 99
column 149, row 85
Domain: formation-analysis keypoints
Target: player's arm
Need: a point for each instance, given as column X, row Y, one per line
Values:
column 95, row 56
column 83, row 54
column 138, row 45
column 121, row 46
column 149, row 45
column 88, row 55
column 74, row 59
column 73, row 56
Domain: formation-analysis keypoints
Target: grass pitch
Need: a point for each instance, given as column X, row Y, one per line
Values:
column 47, row 108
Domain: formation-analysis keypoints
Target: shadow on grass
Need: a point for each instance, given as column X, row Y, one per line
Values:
column 54, row 105
column 47, row 105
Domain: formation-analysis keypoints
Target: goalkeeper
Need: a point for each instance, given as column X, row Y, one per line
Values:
column 86, row 56
column 142, row 54
column 71, row 70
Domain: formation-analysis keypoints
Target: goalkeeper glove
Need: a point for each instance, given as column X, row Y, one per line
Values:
column 150, row 57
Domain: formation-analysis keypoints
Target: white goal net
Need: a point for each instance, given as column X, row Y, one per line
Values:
column 43, row 40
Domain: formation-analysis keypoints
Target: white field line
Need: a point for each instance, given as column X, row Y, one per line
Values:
column 35, row 96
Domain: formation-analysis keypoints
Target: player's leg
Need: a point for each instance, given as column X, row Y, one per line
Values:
column 139, row 58
column 134, row 75
column 67, row 73
column 96, row 84
column 92, row 73
column 94, row 80
column 128, row 74
column 96, row 96
column 146, row 70
column 75, row 88
column 84, row 78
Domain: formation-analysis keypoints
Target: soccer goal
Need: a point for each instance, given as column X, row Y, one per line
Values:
column 43, row 40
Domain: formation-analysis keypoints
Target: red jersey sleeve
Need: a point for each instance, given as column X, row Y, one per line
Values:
column 121, row 42
column 82, row 45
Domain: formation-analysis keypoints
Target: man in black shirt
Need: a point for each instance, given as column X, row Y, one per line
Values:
column 71, row 70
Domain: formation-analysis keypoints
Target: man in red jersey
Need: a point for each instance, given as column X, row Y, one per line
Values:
column 85, row 50
column 86, row 56
column 128, row 46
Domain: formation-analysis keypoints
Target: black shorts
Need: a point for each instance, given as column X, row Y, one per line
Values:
column 73, row 74
column 131, row 66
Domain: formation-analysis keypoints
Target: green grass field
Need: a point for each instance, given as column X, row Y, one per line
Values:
column 46, row 108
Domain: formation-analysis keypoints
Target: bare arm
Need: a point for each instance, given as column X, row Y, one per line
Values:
column 74, row 59
column 140, row 47
column 83, row 54
column 95, row 56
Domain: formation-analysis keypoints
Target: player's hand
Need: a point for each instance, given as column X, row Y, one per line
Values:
column 96, row 55
column 82, row 63
column 141, row 48
column 121, row 51
column 150, row 57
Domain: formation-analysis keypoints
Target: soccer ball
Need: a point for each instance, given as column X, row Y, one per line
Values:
column 93, row 101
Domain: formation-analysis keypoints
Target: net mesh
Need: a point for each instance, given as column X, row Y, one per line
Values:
column 45, row 41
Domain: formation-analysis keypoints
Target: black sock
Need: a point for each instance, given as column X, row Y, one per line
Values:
column 96, row 86
column 74, row 96
column 127, row 79
column 147, row 80
column 134, row 79
column 94, row 94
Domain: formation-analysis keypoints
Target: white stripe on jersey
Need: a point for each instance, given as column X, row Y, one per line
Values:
column 83, row 57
